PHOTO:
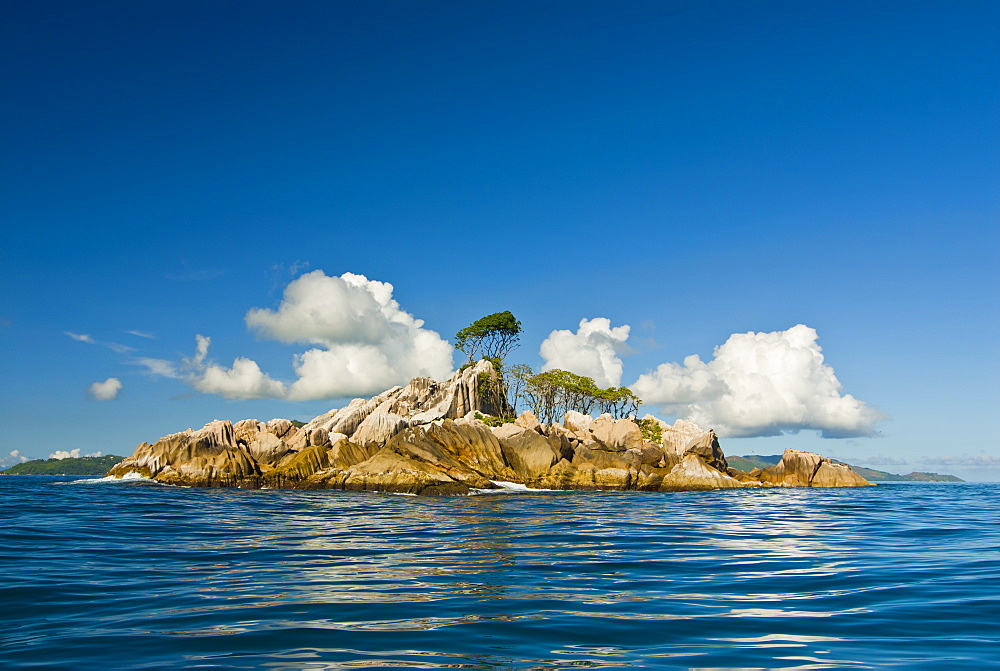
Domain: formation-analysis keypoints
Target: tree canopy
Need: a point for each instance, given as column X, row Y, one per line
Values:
column 494, row 335
column 551, row 394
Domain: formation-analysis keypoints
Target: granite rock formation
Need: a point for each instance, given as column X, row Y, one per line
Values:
column 428, row 437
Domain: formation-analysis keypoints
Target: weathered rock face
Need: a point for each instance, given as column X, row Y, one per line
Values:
column 693, row 474
column 377, row 428
column 421, row 401
column 208, row 457
column 806, row 469
column 528, row 453
column 424, row 439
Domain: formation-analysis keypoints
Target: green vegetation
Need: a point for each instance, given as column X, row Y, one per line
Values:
column 490, row 420
column 297, row 424
column 651, row 430
column 550, row 395
column 496, row 335
column 71, row 466
column 750, row 462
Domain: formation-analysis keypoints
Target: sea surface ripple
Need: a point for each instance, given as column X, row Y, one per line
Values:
column 143, row 576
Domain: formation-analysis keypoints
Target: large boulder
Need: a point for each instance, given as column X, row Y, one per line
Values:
column 693, row 474
column 208, row 457
column 807, row 469
column 448, row 456
column 528, row 453
column 707, row 447
column 616, row 435
column 377, row 428
column 267, row 448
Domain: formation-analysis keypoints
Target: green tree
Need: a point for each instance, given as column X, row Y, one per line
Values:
column 550, row 395
column 494, row 335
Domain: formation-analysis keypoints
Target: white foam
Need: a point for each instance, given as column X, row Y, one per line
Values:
column 508, row 488
column 131, row 476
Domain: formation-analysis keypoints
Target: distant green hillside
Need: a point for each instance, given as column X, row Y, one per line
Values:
column 752, row 461
column 78, row 466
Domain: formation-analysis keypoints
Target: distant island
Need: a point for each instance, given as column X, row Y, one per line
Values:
column 68, row 466
column 752, row 461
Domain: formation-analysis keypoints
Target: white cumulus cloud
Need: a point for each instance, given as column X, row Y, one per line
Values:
column 367, row 343
column 364, row 343
column 760, row 384
column 244, row 380
column 594, row 350
column 107, row 390
column 63, row 454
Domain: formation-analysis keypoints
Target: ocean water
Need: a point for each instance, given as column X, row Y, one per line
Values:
column 143, row 576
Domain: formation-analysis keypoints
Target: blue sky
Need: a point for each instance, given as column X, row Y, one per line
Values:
column 691, row 170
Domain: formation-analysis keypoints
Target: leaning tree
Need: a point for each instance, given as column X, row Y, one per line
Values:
column 494, row 335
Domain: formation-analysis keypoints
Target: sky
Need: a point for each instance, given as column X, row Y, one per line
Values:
column 778, row 219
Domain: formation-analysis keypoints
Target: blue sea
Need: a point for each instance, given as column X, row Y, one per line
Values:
column 109, row 575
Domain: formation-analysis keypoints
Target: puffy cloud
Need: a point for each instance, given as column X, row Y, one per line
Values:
column 364, row 344
column 368, row 343
column 107, row 390
column 592, row 351
column 63, row 454
column 243, row 381
column 760, row 384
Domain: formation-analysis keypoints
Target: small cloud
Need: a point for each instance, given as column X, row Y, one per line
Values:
column 202, row 344
column 113, row 346
column 158, row 367
column 297, row 267
column 14, row 457
column 63, row 454
column 81, row 337
column 107, row 390
column 93, row 454
column 142, row 334
column 244, row 381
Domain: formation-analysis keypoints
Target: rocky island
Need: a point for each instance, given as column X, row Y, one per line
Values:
column 437, row 438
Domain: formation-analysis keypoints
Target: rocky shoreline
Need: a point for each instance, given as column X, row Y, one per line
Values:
column 429, row 438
